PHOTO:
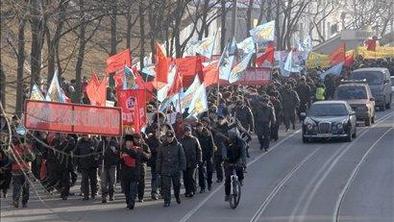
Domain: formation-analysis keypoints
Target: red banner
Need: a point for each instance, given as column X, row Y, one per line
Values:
column 72, row 118
column 132, row 103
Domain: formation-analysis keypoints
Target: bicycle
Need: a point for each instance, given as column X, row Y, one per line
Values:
column 235, row 191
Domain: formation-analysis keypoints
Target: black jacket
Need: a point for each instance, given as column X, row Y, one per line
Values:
column 192, row 150
column 207, row 144
column 235, row 152
column 139, row 155
column 171, row 159
column 87, row 152
column 245, row 117
column 154, row 145
column 111, row 153
column 264, row 114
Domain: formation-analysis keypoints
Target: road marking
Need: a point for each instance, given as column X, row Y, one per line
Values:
column 327, row 172
column 195, row 209
column 279, row 186
column 352, row 177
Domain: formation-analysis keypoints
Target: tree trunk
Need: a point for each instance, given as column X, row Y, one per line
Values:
column 2, row 85
column 81, row 54
column 223, row 25
column 53, row 43
column 114, row 9
column 249, row 17
column 51, row 56
column 142, row 33
column 269, row 10
column 37, row 22
column 20, row 68
column 128, row 28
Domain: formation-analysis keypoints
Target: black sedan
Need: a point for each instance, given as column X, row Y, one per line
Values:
column 329, row 119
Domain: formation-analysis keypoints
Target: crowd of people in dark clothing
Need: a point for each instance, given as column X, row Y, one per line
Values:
column 185, row 149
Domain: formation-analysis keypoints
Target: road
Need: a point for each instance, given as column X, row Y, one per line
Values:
column 293, row 182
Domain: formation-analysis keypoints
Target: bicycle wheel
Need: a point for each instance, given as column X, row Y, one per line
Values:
column 236, row 195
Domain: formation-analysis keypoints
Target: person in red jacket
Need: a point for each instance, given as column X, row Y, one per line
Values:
column 132, row 157
column 21, row 156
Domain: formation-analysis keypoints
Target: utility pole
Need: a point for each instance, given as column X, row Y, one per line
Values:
column 234, row 19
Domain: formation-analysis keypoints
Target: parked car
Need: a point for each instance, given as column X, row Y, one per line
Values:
column 359, row 96
column 379, row 81
column 329, row 119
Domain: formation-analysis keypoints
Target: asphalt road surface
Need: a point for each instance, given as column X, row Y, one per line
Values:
column 293, row 182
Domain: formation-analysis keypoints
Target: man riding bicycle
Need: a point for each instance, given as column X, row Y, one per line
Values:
column 234, row 159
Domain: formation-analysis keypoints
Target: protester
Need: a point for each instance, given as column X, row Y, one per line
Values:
column 5, row 170
column 171, row 161
column 234, row 160
column 139, row 141
column 132, row 157
column 109, row 160
column 21, row 158
column 87, row 164
column 264, row 119
column 192, row 149
column 154, row 144
column 205, row 168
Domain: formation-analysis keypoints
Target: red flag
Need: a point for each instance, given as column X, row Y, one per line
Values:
column 118, row 61
column 349, row 60
column 338, row 55
column 211, row 74
column 371, row 44
column 101, row 95
column 91, row 87
column 119, row 78
column 189, row 67
column 162, row 63
column 97, row 91
column 268, row 55
column 132, row 103
column 176, row 85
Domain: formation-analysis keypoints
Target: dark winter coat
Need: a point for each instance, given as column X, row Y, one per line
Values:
column 192, row 150
column 207, row 143
column 111, row 153
column 264, row 114
column 88, row 151
column 171, row 159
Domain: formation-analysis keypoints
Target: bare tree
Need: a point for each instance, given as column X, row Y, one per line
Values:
column 37, row 22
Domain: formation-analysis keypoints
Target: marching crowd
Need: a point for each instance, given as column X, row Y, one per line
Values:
column 183, row 149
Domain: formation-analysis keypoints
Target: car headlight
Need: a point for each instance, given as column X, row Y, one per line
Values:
column 340, row 125
column 309, row 126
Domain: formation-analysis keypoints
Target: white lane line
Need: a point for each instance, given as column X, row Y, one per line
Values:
column 279, row 186
column 195, row 209
column 349, row 182
column 332, row 165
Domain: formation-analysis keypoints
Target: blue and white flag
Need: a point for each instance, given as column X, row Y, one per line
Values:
column 36, row 93
column 129, row 79
column 187, row 96
column 55, row 93
column 247, row 46
column 205, row 46
column 238, row 70
column 199, row 103
column 227, row 60
column 263, row 33
column 335, row 70
column 305, row 45
column 290, row 65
